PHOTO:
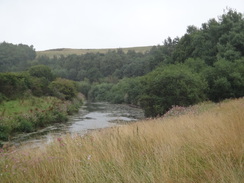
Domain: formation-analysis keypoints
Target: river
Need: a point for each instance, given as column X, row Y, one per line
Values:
column 91, row 116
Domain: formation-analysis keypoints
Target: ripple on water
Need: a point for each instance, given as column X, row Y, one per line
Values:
column 91, row 116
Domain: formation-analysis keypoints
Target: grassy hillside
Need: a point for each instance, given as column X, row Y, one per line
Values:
column 203, row 143
column 67, row 51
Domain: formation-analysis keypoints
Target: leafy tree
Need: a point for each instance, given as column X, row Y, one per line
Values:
column 222, row 39
column 38, row 86
column 110, row 62
column 99, row 92
column 41, row 71
column 225, row 80
column 60, row 72
column 93, row 74
column 127, row 90
column 13, row 85
column 15, row 57
column 196, row 65
column 84, row 87
column 41, row 76
column 63, row 88
column 171, row 85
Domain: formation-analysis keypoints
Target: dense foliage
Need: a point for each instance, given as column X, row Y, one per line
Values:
column 15, row 57
column 207, row 63
column 63, row 89
column 37, row 81
column 171, row 85
column 212, row 68
column 33, row 99
column 94, row 66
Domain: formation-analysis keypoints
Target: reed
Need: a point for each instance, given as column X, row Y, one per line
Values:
column 192, row 147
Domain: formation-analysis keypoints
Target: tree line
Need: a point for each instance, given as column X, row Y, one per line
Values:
column 206, row 63
column 15, row 57
column 36, row 81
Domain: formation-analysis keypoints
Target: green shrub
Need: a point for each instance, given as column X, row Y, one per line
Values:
column 84, row 87
column 41, row 71
column 39, row 86
column 24, row 125
column 13, row 85
column 41, row 120
column 100, row 92
column 4, row 132
column 63, row 89
column 60, row 117
column 172, row 85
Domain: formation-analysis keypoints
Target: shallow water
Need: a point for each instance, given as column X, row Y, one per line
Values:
column 91, row 116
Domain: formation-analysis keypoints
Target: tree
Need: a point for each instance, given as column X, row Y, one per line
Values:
column 84, row 87
column 41, row 71
column 13, row 85
column 225, row 80
column 15, row 57
column 171, row 85
column 63, row 88
column 222, row 39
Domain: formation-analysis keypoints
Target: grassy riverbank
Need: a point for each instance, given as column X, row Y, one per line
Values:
column 203, row 143
column 27, row 115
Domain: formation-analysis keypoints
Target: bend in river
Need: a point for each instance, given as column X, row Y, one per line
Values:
column 91, row 116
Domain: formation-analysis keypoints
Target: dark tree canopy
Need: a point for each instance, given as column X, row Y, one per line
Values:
column 15, row 57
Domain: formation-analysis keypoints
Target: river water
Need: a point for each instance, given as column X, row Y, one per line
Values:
column 91, row 116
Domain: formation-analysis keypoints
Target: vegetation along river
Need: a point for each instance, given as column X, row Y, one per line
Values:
column 91, row 116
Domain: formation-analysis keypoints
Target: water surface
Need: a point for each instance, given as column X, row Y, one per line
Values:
column 91, row 116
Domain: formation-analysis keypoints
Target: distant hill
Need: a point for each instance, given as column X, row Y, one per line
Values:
column 69, row 51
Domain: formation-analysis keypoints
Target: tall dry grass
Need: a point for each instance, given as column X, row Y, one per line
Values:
column 205, row 147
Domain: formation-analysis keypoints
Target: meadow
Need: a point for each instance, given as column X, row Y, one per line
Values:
column 69, row 51
column 202, row 143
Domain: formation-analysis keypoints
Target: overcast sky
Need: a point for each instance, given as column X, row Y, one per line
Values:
column 48, row 24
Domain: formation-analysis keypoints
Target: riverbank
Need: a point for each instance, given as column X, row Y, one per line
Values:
column 28, row 115
column 202, row 144
column 90, row 116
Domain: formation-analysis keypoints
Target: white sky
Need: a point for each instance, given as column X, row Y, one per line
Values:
column 48, row 24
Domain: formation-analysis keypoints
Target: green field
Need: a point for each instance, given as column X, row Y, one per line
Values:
column 16, row 107
column 68, row 51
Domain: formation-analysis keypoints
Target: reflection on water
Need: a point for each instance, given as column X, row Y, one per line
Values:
column 91, row 116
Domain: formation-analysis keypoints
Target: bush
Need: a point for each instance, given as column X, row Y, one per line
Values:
column 63, row 89
column 226, row 80
column 4, row 132
column 24, row 125
column 171, row 85
column 39, row 86
column 60, row 117
column 12, row 85
column 84, row 87
column 41, row 71
column 100, row 92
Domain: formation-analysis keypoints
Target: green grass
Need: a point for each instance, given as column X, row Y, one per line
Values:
column 27, row 115
column 196, row 146
column 15, row 107
column 67, row 51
